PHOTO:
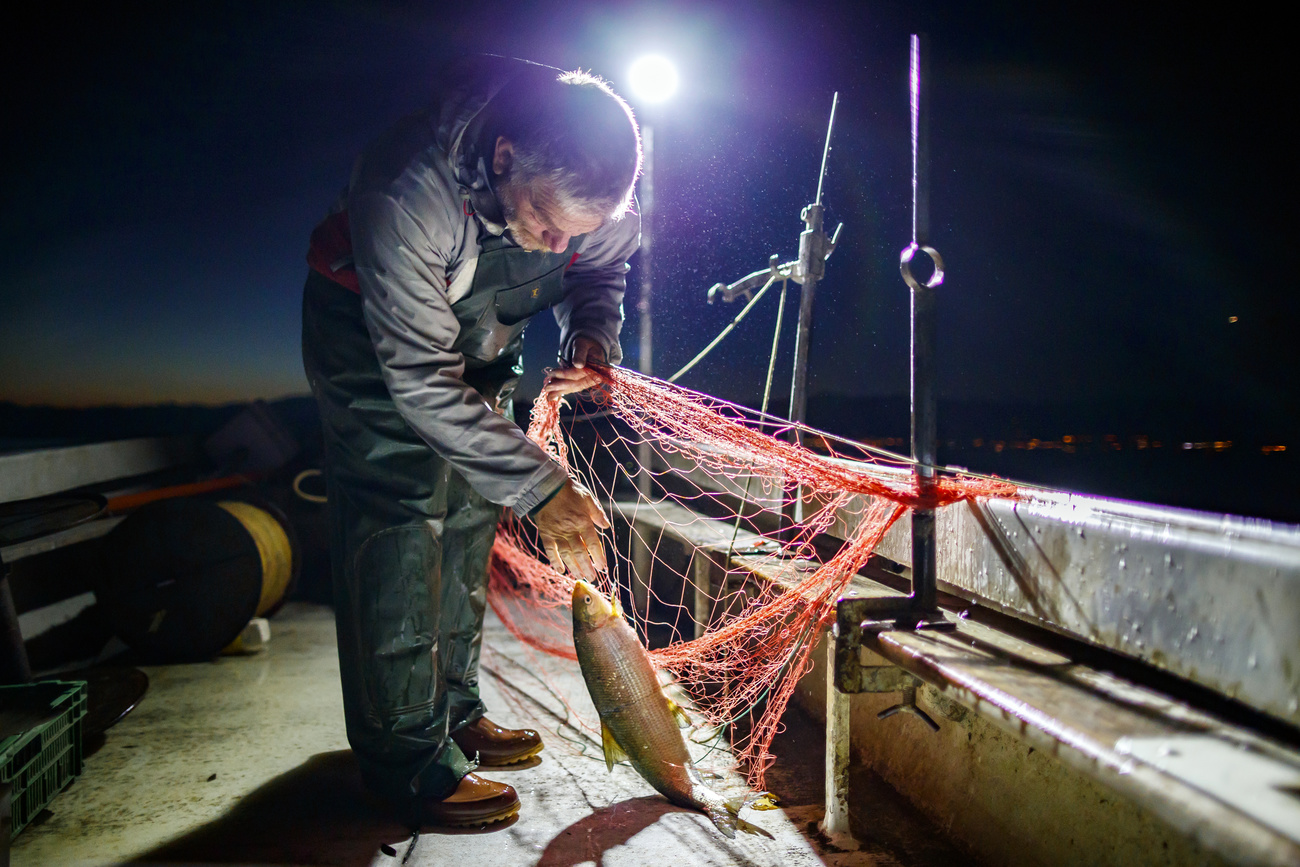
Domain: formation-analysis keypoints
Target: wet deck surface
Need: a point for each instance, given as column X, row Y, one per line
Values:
column 244, row 760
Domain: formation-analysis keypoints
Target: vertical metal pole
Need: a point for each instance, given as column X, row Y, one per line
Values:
column 646, row 201
column 924, row 407
column 835, row 823
column 812, row 217
column 14, row 666
column 918, row 79
column 641, row 559
column 812, row 265
column 702, row 579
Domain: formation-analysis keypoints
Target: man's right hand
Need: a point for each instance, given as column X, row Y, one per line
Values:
column 575, row 376
column 568, row 527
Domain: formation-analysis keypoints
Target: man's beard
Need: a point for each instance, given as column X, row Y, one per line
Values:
column 508, row 195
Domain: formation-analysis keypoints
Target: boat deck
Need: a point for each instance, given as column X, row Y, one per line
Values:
column 244, row 760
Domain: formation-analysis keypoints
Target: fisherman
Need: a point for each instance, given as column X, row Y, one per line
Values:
column 511, row 194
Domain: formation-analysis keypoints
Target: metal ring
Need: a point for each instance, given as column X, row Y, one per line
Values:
column 905, row 265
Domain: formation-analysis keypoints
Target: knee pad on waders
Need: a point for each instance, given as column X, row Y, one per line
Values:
column 398, row 581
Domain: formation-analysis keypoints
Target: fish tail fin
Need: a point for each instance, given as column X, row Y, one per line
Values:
column 725, row 820
column 750, row 828
column 728, row 822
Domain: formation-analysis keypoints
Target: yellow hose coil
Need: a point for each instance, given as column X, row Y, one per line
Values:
column 272, row 546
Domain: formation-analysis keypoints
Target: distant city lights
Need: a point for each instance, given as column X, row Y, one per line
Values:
column 1075, row 443
column 1218, row 446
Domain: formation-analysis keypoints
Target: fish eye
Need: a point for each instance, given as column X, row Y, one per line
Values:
column 587, row 599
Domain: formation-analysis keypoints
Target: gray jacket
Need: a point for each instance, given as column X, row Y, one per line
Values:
column 415, row 205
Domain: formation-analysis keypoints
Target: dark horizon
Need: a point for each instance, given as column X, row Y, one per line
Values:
column 1218, row 470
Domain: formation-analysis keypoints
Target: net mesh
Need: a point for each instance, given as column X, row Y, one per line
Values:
column 707, row 495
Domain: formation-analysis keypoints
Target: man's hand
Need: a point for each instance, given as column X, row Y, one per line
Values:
column 567, row 525
column 576, row 377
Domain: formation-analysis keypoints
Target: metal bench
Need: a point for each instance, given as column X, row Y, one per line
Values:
column 1215, row 780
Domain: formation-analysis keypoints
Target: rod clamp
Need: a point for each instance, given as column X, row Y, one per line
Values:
column 814, row 247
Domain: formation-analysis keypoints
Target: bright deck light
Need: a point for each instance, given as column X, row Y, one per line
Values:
column 653, row 78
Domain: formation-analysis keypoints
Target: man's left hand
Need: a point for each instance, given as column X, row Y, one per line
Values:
column 576, row 377
column 570, row 526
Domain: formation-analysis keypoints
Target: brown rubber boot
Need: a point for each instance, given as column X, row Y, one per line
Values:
column 476, row 801
column 496, row 746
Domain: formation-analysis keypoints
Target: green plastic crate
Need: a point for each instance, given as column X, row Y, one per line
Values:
column 40, row 761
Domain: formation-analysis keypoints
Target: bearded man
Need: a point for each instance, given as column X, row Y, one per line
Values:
column 510, row 195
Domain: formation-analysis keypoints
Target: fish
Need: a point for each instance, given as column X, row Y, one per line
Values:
column 637, row 721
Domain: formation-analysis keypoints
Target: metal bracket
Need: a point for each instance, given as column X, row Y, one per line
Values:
column 883, row 613
column 908, row 705
column 815, row 249
column 854, row 618
column 745, row 286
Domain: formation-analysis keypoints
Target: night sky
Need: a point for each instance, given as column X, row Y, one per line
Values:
column 1110, row 188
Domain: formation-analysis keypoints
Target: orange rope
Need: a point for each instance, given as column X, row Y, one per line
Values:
column 127, row 502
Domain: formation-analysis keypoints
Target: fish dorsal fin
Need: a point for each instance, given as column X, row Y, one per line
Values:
column 617, row 610
column 683, row 721
column 613, row 752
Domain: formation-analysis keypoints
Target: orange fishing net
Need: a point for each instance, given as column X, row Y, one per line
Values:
column 722, row 497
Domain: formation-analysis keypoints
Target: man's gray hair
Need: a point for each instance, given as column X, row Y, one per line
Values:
column 574, row 139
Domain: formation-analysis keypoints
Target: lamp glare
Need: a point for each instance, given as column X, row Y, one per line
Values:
column 653, row 78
